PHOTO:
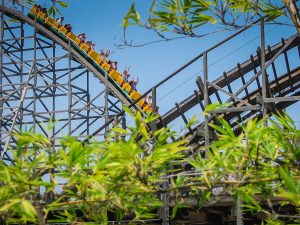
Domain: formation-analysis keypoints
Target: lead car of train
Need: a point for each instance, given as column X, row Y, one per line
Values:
column 92, row 56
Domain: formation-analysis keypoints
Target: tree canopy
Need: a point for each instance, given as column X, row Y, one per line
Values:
column 186, row 17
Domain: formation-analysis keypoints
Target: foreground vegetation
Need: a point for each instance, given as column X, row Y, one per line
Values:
column 81, row 182
column 119, row 175
column 258, row 166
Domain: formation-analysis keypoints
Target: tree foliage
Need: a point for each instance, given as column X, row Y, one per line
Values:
column 81, row 182
column 53, row 6
column 260, row 166
column 123, row 175
column 185, row 17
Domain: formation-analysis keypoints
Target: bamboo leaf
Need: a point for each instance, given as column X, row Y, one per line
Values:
column 63, row 4
column 288, row 181
column 178, row 206
column 28, row 209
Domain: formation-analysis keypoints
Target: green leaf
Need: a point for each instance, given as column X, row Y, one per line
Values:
column 76, row 154
column 178, row 206
column 127, row 110
column 120, row 130
column 194, row 120
column 204, row 196
column 216, row 106
column 9, row 204
column 28, row 208
column 180, row 180
column 63, row 4
column 51, row 11
column 288, row 181
column 131, row 16
column 204, row 3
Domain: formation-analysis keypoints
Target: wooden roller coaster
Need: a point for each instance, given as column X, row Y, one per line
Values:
column 94, row 57
column 271, row 90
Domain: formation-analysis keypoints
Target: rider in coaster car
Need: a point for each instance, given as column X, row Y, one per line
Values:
column 39, row 8
column 91, row 46
column 44, row 10
column 68, row 27
column 126, row 74
column 133, row 83
column 113, row 65
column 104, row 55
column 82, row 38
column 60, row 21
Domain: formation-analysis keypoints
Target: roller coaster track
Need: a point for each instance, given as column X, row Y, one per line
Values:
column 282, row 88
column 18, row 92
column 226, row 79
column 243, row 107
column 101, row 74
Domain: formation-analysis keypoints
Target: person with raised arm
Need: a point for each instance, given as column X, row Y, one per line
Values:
column 104, row 55
column 126, row 74
column 82, row 38
column 60, row 21
column 91, row 46
column 133, row 83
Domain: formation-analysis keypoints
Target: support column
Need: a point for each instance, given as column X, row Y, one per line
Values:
column 1, row 72
column 53, row 94
column 164, row 210
column 88, row 106
column 154, row 107
column 205, row 79
column 263, row 70
column 22, row 66
column 69, row 91
column 239, row 209
column 35, row 76
column 106, row 115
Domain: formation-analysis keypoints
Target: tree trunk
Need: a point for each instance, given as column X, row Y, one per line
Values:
column 294, row 13
column 40, row 214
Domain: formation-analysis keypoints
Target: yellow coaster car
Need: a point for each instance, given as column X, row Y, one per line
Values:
column 73, row 37
column 95, row 56
column 147, row 109
column 41, row 15
column 141, row 103
column 33, row 10
column 135, row 95
column 63, row 30
column 84, row 47
column 115, row 74
column 126, row 87
column 105, row 66
column 51, row 22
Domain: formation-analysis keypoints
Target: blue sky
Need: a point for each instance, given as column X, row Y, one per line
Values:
column 102, row 22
